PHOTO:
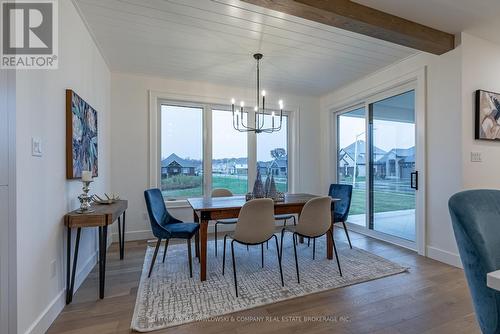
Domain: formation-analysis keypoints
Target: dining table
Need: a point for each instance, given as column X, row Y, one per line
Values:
column 206, row 209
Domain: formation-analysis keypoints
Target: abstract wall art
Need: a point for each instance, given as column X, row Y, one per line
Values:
column 487, row 115
column 81, row 137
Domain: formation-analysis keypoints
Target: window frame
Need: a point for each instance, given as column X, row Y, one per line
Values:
column 209, row 104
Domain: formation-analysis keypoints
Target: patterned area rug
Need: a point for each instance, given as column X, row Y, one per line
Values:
column 170, row 297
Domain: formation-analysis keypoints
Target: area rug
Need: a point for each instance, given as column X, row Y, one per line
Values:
column 170, row 297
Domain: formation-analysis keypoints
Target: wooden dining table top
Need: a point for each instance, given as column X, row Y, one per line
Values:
column 236, row 202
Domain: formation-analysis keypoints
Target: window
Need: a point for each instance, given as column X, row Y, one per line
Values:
column 351, row 160
column 229, row 154
column 272, row 153
column 181, row 151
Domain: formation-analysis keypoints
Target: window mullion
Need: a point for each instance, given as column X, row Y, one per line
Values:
column 207, row 150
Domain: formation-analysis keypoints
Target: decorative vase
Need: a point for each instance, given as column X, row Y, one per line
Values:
column 258, row 187
column 267, row 184
column 272, row 193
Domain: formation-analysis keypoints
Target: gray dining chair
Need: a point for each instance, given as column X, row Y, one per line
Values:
column 222, row 192
column 255, row 226
column 315, row 220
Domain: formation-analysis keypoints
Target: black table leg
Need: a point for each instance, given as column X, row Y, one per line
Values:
column 70, row 282
column 103, row 236
column 122, row 246
column 120, row 237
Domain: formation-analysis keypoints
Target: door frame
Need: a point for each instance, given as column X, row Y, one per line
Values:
column 412, row 81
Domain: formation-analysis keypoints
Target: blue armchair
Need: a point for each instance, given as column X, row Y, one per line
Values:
column 166, row 227
column 341, row 208
column 475, row 216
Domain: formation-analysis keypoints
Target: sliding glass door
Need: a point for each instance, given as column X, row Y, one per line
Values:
column 392, row 158
column 376, row 154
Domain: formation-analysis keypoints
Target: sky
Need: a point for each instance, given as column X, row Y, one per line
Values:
column 182, row 135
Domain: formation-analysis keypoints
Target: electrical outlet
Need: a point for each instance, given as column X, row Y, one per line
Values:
column 36, row 147
column 53, row 269
column 476, row 157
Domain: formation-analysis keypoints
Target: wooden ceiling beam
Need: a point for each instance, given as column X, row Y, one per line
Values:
column 351, row 16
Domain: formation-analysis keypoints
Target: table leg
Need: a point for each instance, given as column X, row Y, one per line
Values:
column 203, row 249
column 70, row 283
column 123, row 237
column 196, row 237
column 120, row 237
column 103, row 236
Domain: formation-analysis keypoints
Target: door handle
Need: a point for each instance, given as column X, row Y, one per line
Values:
column 414, row 180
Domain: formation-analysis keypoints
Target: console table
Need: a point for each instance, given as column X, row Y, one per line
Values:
column 102, row 216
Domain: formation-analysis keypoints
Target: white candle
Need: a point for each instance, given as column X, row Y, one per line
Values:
column 86, row 176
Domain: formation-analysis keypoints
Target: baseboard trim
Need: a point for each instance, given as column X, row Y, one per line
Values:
column 49, row 315
column 146, row 234
column 444, row 256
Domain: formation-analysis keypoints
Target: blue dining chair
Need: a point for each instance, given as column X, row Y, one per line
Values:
column 166, row 227
column 340, row 212
column 475, row 216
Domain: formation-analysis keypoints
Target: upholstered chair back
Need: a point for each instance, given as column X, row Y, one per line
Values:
column 255, row 221
column 475, row 216
column 315, row 218
column 221, row 192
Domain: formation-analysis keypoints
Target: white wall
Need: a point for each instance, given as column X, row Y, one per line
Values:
column 443, row 131
column 480, row 69
column 43, row 193
column 130, row 138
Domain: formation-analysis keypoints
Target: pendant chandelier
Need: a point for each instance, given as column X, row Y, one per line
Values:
column 259, row 111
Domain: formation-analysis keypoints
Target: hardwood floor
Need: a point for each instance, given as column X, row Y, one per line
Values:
column 431, row 298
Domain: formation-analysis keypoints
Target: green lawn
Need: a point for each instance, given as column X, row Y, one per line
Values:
column 237, row 185
column 383, row 201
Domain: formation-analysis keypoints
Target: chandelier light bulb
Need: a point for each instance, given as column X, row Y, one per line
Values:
column 255, row 108
column 233, row 101
column 281, row 104
column 263, row 93
column 273, row 114
column 242, row 104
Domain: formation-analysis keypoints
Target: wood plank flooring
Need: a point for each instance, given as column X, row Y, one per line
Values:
column 431, row 298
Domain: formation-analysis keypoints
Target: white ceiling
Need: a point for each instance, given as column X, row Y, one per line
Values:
column 213, row 41
column 478, row 17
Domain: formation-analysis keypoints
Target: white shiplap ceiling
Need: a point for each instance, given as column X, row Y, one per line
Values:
column 213, row 41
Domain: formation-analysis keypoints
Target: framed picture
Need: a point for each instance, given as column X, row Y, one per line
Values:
column 487, row 115
column 81, row 137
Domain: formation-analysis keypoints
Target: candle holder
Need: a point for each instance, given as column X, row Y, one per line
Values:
column 85, row 199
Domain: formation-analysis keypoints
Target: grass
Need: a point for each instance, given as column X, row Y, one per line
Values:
column 383, row 201
column 237, row 185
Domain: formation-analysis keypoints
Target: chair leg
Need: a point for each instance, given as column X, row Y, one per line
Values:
column 165, row 251
column 296, row 261
column 308, row 242
column 197, row 245
column 336, row 255
column 279, row 260
column 247, row 248
column 314, row 248
column 215, row 232
column 190, row 258
column 267, row 244
column 224, row 256
column 158, row 242
column 347, row 234
column 294, row 221
column 281, row 247
column 234, row 269
column 262, row 253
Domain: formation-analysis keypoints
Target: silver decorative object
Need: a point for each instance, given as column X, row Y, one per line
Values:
column 272, row 189
column 258, row 187
column 267, row 184
column 85, row 199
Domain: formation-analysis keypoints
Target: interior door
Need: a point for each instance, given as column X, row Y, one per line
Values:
column 393, row 179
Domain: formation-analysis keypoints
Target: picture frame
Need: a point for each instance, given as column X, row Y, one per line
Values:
column 487, row 115
column 81, row 137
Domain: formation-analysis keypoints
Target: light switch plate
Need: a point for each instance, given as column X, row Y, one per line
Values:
column 36, row 147
column 476, row 157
